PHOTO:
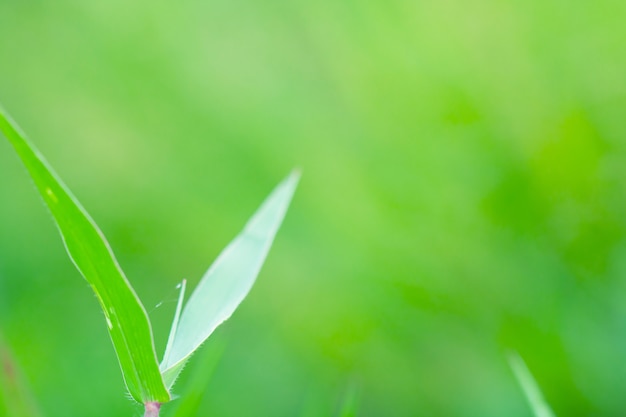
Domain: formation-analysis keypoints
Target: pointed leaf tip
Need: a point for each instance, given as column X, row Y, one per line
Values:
column 228, row 280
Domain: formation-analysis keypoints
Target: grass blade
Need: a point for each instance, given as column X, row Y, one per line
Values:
column 126, row 318
column 229, row 279
column 530, row 387
column 179, row 307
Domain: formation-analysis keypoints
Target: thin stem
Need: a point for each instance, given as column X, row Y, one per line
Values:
column 152, row 410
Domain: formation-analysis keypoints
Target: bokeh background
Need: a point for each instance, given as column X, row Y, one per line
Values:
column 463, row 194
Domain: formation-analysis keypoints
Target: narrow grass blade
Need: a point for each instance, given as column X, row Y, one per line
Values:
column 126, row 318
column 179, row 307
column 16, row 398
column 228, row 280
column 530, row 387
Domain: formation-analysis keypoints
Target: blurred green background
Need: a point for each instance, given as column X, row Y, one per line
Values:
column 463, row 193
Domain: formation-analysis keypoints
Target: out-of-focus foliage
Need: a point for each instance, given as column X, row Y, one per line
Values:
column 529, row 386
column 464, row 193
column 16, row 399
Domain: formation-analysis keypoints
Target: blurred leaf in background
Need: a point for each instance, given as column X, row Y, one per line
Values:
column 16, row 398
column 529, row 386
column 350, row 403
column 464, row 193
column 196, row 388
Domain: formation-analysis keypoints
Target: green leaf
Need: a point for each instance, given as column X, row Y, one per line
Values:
column 126, row 318
column 530, row 387
column 228, row 281
column 174, row 328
